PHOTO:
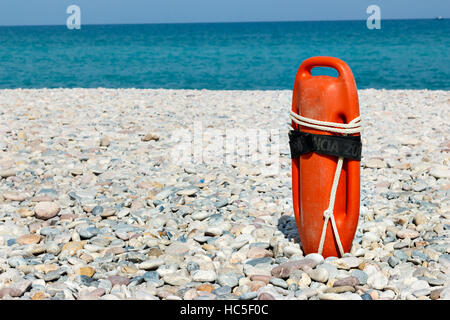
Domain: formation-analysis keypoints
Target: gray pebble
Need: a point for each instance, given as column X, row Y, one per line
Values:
column 361, row 276
column 279, row 283
column 224, row 290
column 52, row 276
column 416, row 254
column 254, row 262
column 88, row 233
column 400, row 255
column 49, row 232
column 393, row 261
column 228, row 279
column 248, row 295
column 192, row 266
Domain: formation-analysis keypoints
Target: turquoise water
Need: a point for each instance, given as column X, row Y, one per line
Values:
column 404, row 54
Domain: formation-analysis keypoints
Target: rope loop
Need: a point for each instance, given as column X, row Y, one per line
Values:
column 353, row 126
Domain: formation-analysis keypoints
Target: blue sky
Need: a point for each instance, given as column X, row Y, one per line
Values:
column 51, row 12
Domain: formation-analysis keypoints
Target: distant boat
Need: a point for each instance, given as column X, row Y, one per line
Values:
column 439, row 18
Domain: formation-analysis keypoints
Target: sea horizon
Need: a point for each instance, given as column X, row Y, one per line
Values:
column 219, row 22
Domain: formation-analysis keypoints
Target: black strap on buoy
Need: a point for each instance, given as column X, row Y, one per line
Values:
column 341, row 146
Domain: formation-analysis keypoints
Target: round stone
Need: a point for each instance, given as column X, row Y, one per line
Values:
column 46, row 210
column 222, row 290
column 88, row 233
column 108, row 212
column 151, row 276
column 230, row 280
column 204, row 275
column 347, row 281
column 187, row 192
column 402, row 256
column 317, row 258
column 177, row 278
column 14, row 196
column 361, row 276
column 86, row 271
column 266, row 296
column 7, row 173
column 120, row 280
column 73, row 246
column 407, row 233
column 319, row 274
column 151, row 264
column 248, row 295
column 29, row 239
column 377, row 280
column 440, row 173
column 201, row 215
column 97, row 210
column 393, row 261
column 49, row 232
column 279, row 283
column 25, row 212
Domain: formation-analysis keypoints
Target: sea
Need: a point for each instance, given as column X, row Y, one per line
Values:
column 403, row 54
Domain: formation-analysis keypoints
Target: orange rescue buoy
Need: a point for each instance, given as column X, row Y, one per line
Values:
column 326, row 167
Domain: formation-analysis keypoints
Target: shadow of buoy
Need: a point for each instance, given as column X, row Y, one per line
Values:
column 288, row 226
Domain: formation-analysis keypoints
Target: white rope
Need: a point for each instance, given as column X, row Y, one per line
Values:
column 328, row 213
column 353, row 126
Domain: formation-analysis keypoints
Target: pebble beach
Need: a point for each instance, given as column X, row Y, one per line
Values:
column 94, row 203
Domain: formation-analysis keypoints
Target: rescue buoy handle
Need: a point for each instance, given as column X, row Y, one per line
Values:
column 345, row 75
column 330, row 62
